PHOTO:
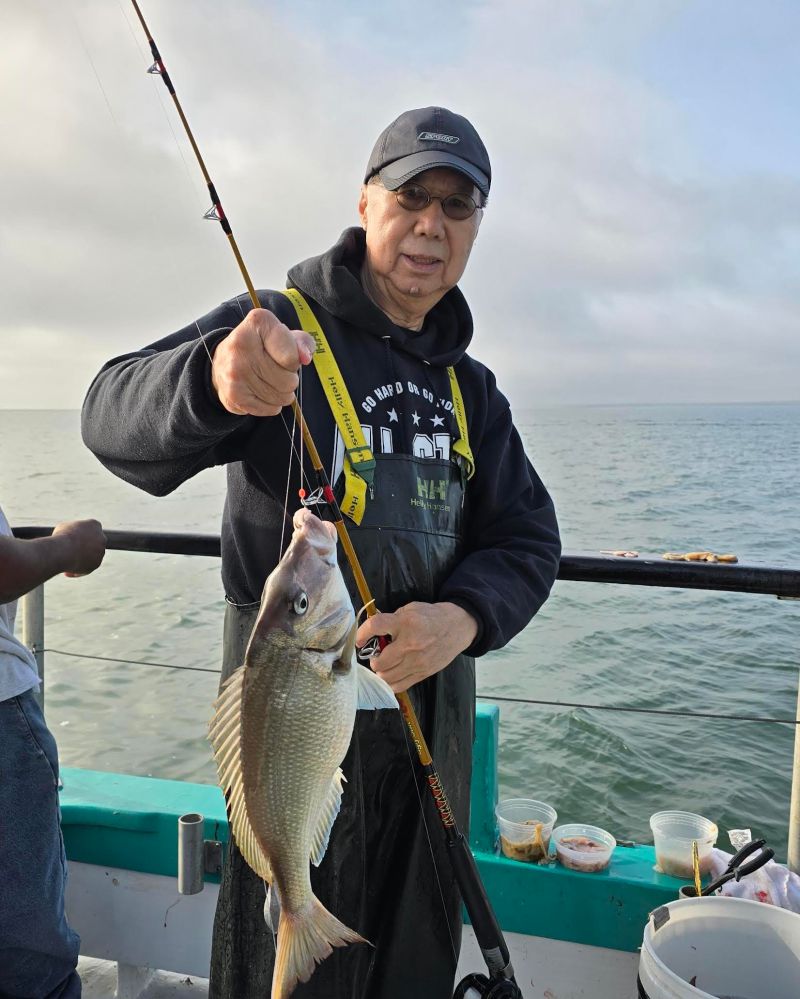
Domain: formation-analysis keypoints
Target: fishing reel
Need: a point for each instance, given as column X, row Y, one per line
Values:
column 477, row 986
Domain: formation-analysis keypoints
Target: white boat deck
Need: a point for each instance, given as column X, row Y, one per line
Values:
column 546, row 969
column 100, row 981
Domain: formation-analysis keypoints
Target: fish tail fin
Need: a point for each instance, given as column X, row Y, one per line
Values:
column 305, row 940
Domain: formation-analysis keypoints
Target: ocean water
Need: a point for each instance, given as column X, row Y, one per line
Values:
column 649, row 478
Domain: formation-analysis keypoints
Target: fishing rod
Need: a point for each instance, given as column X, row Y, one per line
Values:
column 501, row 983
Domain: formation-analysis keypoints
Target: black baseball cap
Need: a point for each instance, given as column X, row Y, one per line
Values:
column 429, row 137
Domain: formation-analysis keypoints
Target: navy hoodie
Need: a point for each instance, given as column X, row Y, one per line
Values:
column 153, row 419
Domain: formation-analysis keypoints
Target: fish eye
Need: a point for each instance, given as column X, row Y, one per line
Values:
column 300, row 603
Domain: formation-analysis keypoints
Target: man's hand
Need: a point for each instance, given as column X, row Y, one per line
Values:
column 254, row 369
column 84, row 545
column 425, row 639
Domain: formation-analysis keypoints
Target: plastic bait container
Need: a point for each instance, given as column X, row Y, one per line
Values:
column 525, row 827
column 673, row 833
column 583, row 848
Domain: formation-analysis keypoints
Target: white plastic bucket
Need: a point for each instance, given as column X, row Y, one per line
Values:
column 731, row 947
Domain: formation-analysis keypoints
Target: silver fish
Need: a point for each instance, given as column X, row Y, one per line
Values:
column 282, row 725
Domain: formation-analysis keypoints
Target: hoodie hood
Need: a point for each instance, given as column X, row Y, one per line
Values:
column 334, row 280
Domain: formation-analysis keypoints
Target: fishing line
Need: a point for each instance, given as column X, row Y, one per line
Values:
column 642, row 711
column 219, row 329
column 229, row 329
column 94, row 68
column 286, row 495
column 428, row 836
column 128, row 662
column 303, row 476
column 756, row 719
column 299, row 393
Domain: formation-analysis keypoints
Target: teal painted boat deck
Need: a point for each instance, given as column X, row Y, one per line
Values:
column 117, row 820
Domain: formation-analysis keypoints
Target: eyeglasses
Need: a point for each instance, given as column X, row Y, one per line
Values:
column 414, row 198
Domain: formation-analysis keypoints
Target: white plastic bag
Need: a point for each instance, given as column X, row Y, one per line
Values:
column 773, row 883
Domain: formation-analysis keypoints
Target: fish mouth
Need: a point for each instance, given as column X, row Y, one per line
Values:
column 319, row 534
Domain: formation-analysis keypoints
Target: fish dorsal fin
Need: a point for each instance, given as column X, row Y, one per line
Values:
column 373, row 693
column 225, row 735
column 327, row 816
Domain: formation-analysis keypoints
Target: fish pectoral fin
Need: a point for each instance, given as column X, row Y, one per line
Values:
column 327, row 816
column 225, row 736
column 373, row 693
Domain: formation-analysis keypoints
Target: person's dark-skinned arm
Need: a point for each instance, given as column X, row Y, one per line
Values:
column 75, row 548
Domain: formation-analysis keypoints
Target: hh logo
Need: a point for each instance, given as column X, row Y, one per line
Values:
column 432, row 489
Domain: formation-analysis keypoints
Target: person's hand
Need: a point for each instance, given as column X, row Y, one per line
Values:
column 425, row 638
column 254, row 369
column 85, row 545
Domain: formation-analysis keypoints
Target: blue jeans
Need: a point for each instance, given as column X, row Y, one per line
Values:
column 38, row 950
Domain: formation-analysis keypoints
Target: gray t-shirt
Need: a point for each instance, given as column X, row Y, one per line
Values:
column 18, row 671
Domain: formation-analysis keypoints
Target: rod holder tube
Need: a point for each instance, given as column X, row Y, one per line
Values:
column 191, row 862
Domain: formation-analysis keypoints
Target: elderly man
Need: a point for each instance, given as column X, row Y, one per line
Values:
column 455, row 532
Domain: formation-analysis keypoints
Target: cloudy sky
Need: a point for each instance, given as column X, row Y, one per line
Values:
column 642, row 242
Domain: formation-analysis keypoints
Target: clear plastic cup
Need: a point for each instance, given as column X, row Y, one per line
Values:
column 525, row 827
column 673, row 834
column 583, row 848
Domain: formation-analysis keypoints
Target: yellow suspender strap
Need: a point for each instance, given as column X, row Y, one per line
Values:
column 461, row 446
column 359, row 464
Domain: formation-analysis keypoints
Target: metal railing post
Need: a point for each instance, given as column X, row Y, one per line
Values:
column 32, row 606
column 793, row 855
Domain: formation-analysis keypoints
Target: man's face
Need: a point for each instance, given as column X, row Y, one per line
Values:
column 418, row 256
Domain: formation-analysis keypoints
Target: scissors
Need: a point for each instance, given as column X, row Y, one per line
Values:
column 736, row 869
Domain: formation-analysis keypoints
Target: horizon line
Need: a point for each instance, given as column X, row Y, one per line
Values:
column 543, row 405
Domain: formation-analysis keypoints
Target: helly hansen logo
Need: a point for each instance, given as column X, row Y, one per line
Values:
column 434, row 489
column 438, row 137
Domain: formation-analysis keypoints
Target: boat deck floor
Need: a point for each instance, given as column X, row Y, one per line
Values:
column 545, row 969
column 99, row 979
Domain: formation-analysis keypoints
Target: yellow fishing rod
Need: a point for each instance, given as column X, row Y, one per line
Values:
column 487, row 930
column 216, row 212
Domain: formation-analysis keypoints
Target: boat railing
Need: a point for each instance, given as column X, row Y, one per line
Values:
column 643, row 570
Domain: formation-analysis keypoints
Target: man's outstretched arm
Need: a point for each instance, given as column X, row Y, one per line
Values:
column 75, row 548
